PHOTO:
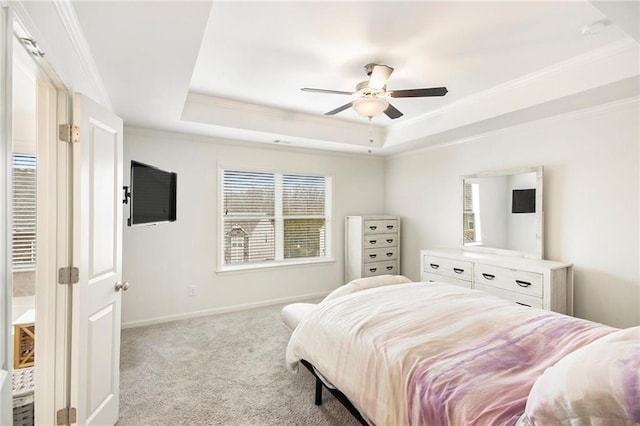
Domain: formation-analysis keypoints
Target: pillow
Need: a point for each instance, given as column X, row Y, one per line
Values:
column 365, row 283
column 598, row 384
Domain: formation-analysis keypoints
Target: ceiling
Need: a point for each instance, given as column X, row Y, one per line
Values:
column 234, row 69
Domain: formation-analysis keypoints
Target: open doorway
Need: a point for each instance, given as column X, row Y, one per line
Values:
column 23, row 238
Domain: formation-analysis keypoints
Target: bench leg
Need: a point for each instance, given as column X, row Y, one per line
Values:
column 318, row 392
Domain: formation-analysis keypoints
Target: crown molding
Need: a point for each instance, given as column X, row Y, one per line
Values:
column 70, row 22
column 480, row 137
column 266, row 122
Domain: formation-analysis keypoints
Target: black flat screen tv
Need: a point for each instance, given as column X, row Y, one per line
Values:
column 523, row 201
column 153, row 195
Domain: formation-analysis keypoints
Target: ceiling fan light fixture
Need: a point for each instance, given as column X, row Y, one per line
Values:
column 370, row 107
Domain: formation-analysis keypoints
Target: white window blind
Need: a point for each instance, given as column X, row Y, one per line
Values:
column 249, row 219
column 270, row 217
column 24, row 212
column 304, row 203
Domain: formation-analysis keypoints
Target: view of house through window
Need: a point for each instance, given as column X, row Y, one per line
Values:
column 274, row 216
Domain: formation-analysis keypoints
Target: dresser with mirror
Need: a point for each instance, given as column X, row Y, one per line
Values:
column 502, row 243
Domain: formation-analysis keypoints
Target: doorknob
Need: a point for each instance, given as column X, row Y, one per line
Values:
column 122, row 286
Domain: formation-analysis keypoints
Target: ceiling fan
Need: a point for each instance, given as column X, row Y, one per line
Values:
column 372, row 94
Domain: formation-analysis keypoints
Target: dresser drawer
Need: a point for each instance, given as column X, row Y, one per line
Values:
column 380, row 268
column 523, row 282
column 428, row 276
column 380, row 254
column 519, row 298
column 382, row 226
column 380, row 240
column 448, row 267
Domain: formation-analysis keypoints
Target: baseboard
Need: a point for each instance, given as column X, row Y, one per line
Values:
column 223, row 310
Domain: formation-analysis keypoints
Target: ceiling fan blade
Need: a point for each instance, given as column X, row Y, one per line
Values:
column 339, row 109
column 392, row 112
column 419, row 93
column 379, row 76
column 335, row 92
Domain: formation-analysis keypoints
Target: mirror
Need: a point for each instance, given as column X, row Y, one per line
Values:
column 502, row 212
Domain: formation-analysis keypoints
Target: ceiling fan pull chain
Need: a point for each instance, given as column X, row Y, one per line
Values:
column 370, row 134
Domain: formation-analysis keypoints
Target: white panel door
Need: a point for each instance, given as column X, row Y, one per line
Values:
column 6, row 39
column 97, row 252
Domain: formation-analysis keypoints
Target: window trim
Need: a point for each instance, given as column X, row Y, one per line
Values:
column 221, row 267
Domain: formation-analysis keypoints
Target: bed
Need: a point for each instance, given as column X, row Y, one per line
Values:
column 437, row 354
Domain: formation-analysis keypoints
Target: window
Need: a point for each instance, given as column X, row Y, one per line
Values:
column 271, row 218
column 24, row 212
column 471, row 213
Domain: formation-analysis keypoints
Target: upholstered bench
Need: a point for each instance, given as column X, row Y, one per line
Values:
column 292, row 314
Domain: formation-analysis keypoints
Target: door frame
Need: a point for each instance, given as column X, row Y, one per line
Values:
column 53, row 235
column 6, row 349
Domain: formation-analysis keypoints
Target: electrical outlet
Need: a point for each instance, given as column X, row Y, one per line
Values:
column 192, row 290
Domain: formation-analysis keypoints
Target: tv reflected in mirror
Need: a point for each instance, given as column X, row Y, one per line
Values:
column 502, row 212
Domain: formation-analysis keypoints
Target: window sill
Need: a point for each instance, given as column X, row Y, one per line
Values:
column 270, row 265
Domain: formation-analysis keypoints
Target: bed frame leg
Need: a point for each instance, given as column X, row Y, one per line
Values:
column 318, row 392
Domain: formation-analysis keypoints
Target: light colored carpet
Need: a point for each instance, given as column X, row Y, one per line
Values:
column 218, row 370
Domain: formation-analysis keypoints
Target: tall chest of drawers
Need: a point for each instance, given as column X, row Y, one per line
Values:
column 541, row 284
column 372, row 246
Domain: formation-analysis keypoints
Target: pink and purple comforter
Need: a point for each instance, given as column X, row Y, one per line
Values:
column 435, row 354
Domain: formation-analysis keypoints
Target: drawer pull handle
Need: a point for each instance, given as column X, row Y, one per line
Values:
column 434, row 265
column 523, row 283
column 389, row 227
column 523, row 304
column 373, row 241
column 458, row 270
column 389, row 268
column 373, row 228
column 389, row 254
column 389, row 240
column 373, row 269
column 488, row 276
column 373, row 256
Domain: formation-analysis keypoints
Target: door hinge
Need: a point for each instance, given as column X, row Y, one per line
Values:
column 69, row 133
column 68, row 275
column 66, row 416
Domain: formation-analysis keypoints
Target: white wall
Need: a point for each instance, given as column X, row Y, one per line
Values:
column 591, row 203
column 162, row 261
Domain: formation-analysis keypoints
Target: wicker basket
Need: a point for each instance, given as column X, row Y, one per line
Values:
column 23, row 402
column 23, row 410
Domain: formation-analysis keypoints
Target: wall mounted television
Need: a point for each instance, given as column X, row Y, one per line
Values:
column 152, row 195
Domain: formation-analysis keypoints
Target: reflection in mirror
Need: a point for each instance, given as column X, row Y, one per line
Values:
column 502, row 212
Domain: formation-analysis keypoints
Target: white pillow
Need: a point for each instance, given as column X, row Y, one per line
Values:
column 598, row 384
column 365, row 283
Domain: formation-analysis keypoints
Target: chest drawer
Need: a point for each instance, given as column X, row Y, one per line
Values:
column 519, row 298
column 380, row 240
column 380, row 268
column 428, row 276
column 380, row 226
column 513, row 280
column 453, row 268
column 380, row 254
